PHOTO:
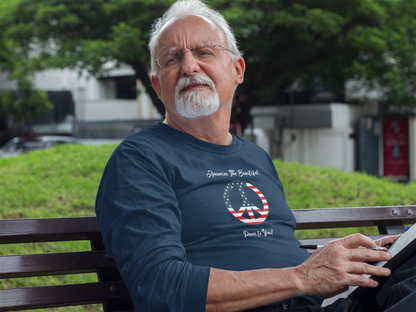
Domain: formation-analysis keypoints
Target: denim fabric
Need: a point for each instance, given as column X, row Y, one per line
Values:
column 397, row 294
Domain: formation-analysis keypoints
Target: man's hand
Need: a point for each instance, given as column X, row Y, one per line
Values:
column 386, row 240
column 341, row 263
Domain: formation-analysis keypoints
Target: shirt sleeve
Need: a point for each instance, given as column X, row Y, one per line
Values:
column 141, row 225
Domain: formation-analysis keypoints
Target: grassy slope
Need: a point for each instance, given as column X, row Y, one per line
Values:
column 312, row 187
column 59, row 182
column 63, row 182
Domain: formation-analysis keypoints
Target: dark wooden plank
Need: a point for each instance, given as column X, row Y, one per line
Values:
column 55, row 264
column 105, row 276
column 48, row 230
column 62, row 295
column 352, row 217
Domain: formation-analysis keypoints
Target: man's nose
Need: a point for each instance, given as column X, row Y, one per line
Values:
column 189, row 64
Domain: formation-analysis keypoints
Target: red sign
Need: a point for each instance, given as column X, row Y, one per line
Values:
column 395, row 144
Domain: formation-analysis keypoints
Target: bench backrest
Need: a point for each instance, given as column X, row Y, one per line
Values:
column 390, row 220
column 110, row 289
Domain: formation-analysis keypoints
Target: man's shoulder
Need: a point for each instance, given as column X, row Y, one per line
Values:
column 251, row 145
column 151, row 134
column 148, row 139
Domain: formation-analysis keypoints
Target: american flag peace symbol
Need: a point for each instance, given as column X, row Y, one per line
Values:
column 246, row 205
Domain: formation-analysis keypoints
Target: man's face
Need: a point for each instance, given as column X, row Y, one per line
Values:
column 198, row 85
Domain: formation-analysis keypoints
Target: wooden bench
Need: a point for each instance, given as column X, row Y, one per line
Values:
column 110, row 290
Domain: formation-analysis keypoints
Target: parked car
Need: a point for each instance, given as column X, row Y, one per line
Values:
column 20, row 145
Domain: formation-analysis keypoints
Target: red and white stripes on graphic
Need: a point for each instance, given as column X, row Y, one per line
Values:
column 263, row 213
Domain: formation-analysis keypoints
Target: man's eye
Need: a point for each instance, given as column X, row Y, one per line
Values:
column 204, row 52
column 172, row 60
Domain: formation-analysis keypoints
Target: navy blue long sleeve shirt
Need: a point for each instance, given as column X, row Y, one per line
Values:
column 171, row 207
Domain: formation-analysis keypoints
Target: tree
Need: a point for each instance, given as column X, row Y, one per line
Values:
column 86, row 35
column 291, row 47
column 24, row 105
column 313, row 45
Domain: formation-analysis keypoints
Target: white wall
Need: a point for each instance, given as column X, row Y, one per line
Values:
column 344, row 116
column 94, row 99
column 65, row 79
column 58, row 80
column 320, row 147
column 325, row 147
column 111, row 109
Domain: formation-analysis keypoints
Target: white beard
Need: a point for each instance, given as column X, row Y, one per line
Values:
column 196, row 103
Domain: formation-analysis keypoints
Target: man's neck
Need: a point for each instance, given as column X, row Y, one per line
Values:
column 209, row 129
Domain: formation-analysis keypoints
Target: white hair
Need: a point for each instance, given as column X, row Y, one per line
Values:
column 191, row 7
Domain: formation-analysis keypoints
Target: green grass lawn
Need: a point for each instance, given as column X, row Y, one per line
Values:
column 313, row 187
column 63, row 182
column 60, row 182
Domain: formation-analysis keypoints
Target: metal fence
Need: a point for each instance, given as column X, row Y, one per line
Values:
column 119, row 129
column 303, row 118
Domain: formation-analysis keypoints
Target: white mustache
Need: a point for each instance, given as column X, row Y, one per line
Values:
column 197, row 78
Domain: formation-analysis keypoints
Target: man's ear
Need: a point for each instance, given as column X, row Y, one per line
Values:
column 156, row 86
column 240, row 67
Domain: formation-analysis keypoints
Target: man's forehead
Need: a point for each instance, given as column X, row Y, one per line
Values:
column 175, row 30
column 171, row 49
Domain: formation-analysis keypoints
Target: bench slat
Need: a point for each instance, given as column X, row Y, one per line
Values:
column 354, row 217
column 62, row 295
column 55, row 264
column 49, row 230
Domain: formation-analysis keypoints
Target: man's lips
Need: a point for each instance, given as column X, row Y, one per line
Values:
column 193, row 86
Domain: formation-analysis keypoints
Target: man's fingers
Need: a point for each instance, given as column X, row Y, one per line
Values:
column 365, row 268
column 386, row 240
column 364, row 254
column 356, row 240
column 359, row 280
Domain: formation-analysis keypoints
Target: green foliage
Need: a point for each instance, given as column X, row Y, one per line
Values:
column 5, row 54
column 85, row 35
column 322, row 44
column 314, row 45
column 26, row 105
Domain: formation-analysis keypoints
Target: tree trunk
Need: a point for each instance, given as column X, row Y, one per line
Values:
column 141, row 73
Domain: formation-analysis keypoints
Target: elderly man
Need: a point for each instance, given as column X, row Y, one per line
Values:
column 195, row 217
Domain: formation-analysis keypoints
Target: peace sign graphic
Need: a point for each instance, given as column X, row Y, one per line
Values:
column 245, row 203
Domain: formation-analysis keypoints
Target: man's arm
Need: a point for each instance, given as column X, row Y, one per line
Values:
column 328, row 269
column 141, row 226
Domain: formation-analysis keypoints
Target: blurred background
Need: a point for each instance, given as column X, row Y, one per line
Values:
column 329, row 83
